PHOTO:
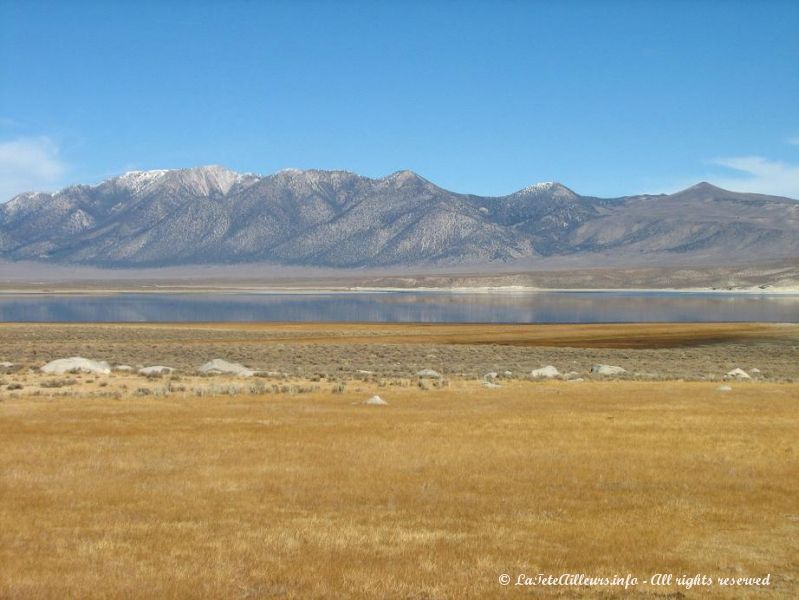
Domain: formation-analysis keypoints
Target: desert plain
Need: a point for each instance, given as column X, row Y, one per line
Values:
column 286, row 484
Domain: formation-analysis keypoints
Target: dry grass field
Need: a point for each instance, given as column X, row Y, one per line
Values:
column 215, row 487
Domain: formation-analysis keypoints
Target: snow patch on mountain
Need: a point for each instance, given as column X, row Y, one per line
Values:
column 539, row 187
column 136, row 181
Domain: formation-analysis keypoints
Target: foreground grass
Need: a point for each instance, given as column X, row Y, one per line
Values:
column 433, row 496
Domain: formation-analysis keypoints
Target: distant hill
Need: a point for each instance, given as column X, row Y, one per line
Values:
column 211, row 215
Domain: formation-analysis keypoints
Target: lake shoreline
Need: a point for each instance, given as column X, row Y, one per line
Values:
column 320, row 290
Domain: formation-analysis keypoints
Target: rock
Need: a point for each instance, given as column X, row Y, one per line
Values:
column 123, row 368
column 724, row 388
column 364, row 372
column 429, row 374
column 608, row 370
column 738, row 374
column 491, row 385
column 76, row 364
column 575, row 380
column 491, row 375
column 219, row 366
column 754, row 371
column 156, row 370
column 571, row 375
column 6, row 365
column 507, row 374
column 547, row 372
column 376, row 401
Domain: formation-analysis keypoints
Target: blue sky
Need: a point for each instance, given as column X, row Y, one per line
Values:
column 608, row 97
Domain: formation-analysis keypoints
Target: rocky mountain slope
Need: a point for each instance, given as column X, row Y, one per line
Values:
column 211, row 215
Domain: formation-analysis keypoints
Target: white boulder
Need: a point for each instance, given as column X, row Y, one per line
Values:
column 428, row 374
column 123, row 368
column 547, row 372
column 738, row 374
column 6, row 365
column 76, row 363
column 376, row 401
column 724, row 388
column 156, row 370
column 219, row 366
column 608, row 370
column 491, row 385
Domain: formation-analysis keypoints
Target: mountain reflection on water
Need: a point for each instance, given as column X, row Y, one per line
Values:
column 429, row 307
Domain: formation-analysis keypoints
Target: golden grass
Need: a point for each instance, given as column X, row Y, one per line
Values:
column 431, row 497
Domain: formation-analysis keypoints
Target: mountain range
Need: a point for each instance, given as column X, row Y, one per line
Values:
column 211, row 215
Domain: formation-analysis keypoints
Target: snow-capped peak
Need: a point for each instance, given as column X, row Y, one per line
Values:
column 139, row 175
column 136, row 181
column 540, row 187
column 201, row 180
column 551, row 189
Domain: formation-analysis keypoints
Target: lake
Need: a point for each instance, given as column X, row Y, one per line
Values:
column 427, row 307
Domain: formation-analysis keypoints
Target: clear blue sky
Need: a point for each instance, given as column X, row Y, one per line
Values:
column 608, row 97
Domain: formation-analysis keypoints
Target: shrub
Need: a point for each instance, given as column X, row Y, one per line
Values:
column 57, row 383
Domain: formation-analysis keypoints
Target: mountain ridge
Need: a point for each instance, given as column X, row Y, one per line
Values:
column 213, row 215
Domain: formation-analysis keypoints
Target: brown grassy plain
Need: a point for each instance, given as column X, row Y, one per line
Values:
column 185, row 486
column 433, row 496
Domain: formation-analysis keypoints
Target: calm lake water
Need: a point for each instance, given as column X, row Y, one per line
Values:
column 431, row 307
